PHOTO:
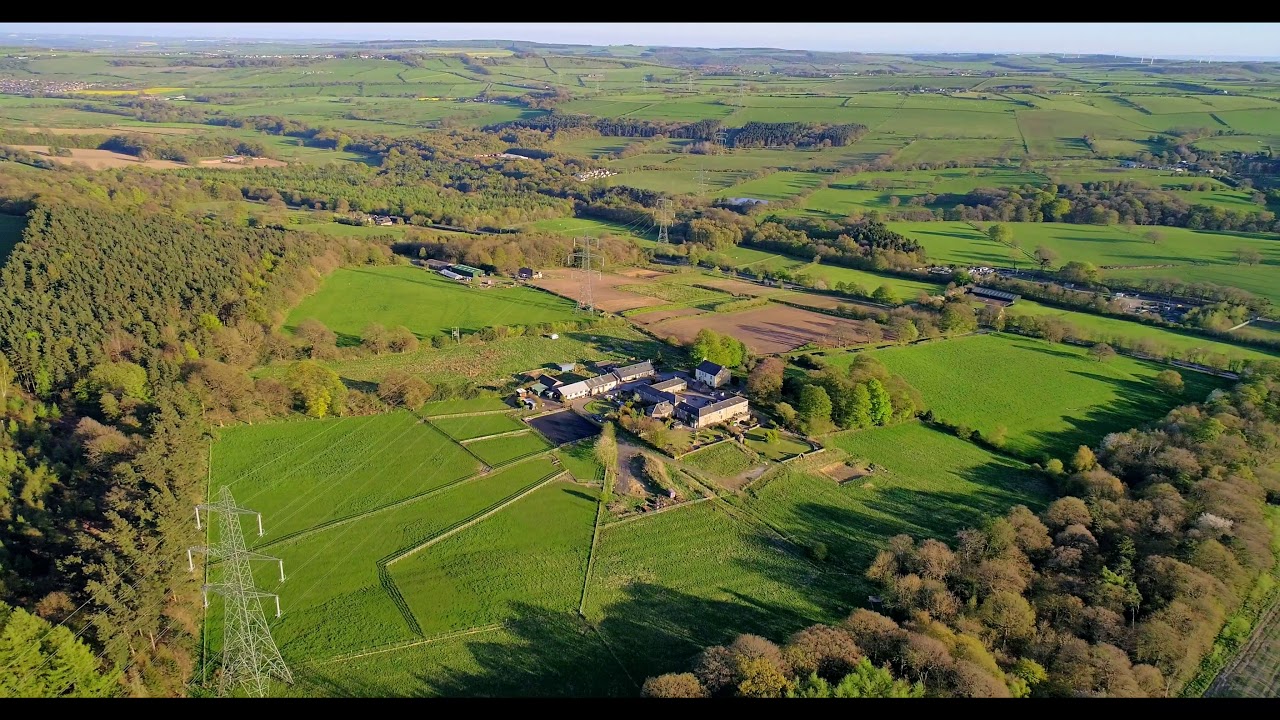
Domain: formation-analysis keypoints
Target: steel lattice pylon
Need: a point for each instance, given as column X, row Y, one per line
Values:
column 250, row 657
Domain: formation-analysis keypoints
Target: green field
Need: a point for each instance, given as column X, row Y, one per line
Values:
column 529, row 560
column 450, row 407
column 1106, row 329
column 580, row 460
column 497, row 451
column 657, row 602
column 781, row 449
column 334, row 599
column 757, row 261
column 474, row 426
column 932, row 484
column 1050, row 398
column 301, row 474
column 423, row 301
column 498, row 361
column 777, row 186
column 723, row 460
column 11, row 227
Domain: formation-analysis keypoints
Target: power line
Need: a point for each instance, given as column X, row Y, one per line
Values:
column 589, row 263
column 664, row 220
column 250, row 657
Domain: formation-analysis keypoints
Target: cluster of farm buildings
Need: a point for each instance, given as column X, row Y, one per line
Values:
column 696, row 400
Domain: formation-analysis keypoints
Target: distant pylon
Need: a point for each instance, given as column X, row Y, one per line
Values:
column 250, row 657
column 587, row 257
column 664, row 220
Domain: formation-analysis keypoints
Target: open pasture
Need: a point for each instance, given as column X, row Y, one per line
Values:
column 724, row 460
column 305, row 473
column 926, row 483
column 468, row 427
column 1050, row 398
column 501, row 450
column 1099, row 328
column 421, row 300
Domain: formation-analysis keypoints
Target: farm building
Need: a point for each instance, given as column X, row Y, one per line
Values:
column 435, row 264
column 732, row 407
column 1006, row 298
column 567, row 366
column 634, row 372
column 650, row 394
column 660, row 411
column 712, row 374
column 675, row 384
column 451, row 274
column 528, row 274
column 590, row 386
column 467, row 270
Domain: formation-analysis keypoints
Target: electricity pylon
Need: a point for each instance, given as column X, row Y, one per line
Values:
column 250, row 657
column 586, row 255
column 664, row 220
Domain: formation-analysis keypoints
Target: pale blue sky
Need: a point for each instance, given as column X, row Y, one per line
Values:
column 1134, row 39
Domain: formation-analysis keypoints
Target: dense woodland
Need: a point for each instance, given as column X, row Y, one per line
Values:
column 1116, row 589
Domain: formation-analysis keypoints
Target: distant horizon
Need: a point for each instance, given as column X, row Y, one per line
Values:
column 1216, row 41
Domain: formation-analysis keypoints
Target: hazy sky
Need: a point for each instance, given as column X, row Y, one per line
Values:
column 1136, row 39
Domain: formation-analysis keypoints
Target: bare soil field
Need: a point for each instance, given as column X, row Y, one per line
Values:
column 641, row 273
column 100, row 159
column 769, row 329
column 826, row 302
column 567, row 282
column 657, row 316
column 739, row 287
column 255, row 162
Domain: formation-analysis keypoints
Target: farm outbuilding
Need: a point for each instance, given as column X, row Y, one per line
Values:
column 528, row 273
column 567, row 366
column 732, row 407
column 467, row 270
column 1007, row 298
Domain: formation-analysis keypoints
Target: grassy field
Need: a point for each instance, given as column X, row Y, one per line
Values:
column 11, row 227
column 932, row 484
column 422, row 301
column 1050, row 398
column 301, row 474
column 777, row 186
column 657, row 603
column 760, row 260
column 496, row 451
column 722, row 460
column 334, row 601
column 1105, row 329
column 781, row 449
column 499, row 361
column 474, row 426
column 449, row 407
column 530, row 557
column 580, row 460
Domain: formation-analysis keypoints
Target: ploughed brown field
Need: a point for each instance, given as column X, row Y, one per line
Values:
column 641, row 273
column 657, row 316
column 739, row 287
column 769, row 329
column 825, row 302
column 99, row 159
column 567, row 282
